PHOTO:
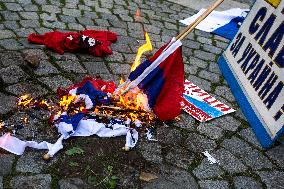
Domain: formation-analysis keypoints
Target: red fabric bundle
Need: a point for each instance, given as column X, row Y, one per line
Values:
column 94, row 42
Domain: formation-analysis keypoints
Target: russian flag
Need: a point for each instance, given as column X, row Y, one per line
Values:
column 162, row 80
column 223, row 23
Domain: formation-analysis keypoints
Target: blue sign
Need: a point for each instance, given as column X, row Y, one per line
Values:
column 253, row 66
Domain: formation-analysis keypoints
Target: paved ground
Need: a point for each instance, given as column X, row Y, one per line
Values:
column 176, row 159
column 227, row 4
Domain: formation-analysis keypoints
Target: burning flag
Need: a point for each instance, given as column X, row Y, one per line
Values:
column 92, row 91
column 86, row 109
column 161, row 78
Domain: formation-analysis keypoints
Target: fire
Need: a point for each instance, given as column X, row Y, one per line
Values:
column 44, row 103
column 138, row 15
column 136, row 99
column 82, row 108
column 66, row 101
column 27, row 101
column 24, row 100
column 142, row 49
column 135, row 104
column 2, row 124
column 145, row 47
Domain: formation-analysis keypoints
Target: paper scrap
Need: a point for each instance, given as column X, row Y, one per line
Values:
column 210, row 158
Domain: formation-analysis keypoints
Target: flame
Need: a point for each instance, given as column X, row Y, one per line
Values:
column 44, row 103
column 136, row 99
column 66, row 101
column 27, row 101
column 2, row 124
column 144, row 48
column 138, row 15
column 130, row 106
column 59, row 113
column 24, row 100
column 121, row 81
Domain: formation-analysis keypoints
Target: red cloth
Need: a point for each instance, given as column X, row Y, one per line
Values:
column 163, row 86
column 167, row 104
column 62, row 42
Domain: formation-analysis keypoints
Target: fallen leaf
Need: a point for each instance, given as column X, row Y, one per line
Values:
column 147, row 176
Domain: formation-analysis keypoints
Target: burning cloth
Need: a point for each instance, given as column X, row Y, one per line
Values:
column 161, row 78
column 161, row 81
column 94, row 42
column 78, row 120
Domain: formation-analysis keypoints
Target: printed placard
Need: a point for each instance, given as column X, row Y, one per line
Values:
column 253, row 67
column 201, row 105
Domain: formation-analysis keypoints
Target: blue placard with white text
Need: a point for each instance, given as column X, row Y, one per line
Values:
column 253, row 66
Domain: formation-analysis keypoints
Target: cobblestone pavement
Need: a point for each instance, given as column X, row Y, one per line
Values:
column 227, row 4
column 176, row 159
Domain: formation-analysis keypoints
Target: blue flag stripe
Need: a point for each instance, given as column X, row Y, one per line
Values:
column 213, row 112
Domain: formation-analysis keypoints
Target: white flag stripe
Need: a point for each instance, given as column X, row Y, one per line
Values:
column 216, row 19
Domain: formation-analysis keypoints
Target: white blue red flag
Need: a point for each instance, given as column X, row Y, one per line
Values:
column 161, row 78
column 201, row 105
column 223, row 23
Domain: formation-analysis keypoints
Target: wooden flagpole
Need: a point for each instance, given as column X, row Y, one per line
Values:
column 190, row 27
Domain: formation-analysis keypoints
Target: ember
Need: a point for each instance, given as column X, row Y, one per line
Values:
column 26, row 101
column 1, row 124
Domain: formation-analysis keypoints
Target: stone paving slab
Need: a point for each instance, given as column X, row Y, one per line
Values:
column 176, row 159
column 6, row 162
column 40, row 181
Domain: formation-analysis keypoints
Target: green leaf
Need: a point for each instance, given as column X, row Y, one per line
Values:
column 92, row 180
column 74, row 151
column 109, row 168
column 114, row 177
column 112, row 184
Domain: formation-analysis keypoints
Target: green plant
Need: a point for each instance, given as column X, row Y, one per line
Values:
column 112, row 182
column 109, row 181
column 74, row 151
column 92, row 180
